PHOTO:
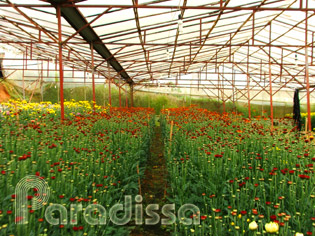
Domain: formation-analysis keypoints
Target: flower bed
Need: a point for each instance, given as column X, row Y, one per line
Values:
column 245, row 179
column 92, row 158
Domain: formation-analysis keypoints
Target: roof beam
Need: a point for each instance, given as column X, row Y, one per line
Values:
column 74, row 17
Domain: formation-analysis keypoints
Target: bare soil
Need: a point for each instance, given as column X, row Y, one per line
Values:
column 154, row 184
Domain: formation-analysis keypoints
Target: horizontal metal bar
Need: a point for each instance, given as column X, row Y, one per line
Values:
column 221, row 8
column 169, row 44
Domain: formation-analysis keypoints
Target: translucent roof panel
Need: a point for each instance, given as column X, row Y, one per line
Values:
column 158, row 38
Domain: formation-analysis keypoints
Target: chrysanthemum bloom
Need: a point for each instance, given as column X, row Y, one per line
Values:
column 272, row 227
column 253, row 225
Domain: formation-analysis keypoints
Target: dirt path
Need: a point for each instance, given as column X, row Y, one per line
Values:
column 153, row 185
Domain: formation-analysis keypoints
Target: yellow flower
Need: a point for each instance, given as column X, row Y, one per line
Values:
column 272, row 227
column 299, row 234
column 253, row 225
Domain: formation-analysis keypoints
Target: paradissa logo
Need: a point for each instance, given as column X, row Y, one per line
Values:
column 118, row 214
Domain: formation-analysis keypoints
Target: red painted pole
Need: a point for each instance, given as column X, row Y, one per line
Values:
column 307, row 76
column 126, row 95
column 119, row 95
column 270, row 93
column 270, row 83
column 248, row 83
column 109, row 92
column 93, row 78
column 60, row 63
column 23, row 74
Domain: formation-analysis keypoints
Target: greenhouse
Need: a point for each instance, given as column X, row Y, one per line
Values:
column 161, row 117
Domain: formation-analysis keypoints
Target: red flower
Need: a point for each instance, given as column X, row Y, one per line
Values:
column 273, row 217
column 203, row 217
column 3, row 172
column 9, row 212
column 72, row 199
column 13, row 196
column 61, row 226
column 243, row 212
column 75, row 228
column 304, row 176
column 61, row 196
column 29, row 197
column 37, row 173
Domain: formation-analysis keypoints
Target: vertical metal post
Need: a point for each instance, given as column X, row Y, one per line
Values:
column 248, row 83
column 126, row 96
column 93, row 78
column 270, row 93
column 109, row 92
column 200, row 33
column 131, row 95
column 312, row 53
column 42, row 80
column 222, row 92
column 218, row 71
column 233, row 88
column 190, row 53
column 23, row 74
column 253, row 28
column 84, row 85
column 119, row 86
column 270, row 81
column 60, row 63
column 307, row 75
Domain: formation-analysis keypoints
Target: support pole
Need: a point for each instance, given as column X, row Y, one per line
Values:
column 109, row 92
column 307, row 75
column 222, row 92
column 248, row 83
column 270, row 82
column 131, row 95
column 93, row 78
column 60, row 63
column 126, row 96
column 270, row 92
column 23, row 74
column 119, row 87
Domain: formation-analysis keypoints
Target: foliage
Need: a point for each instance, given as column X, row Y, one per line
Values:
column 238, row 171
